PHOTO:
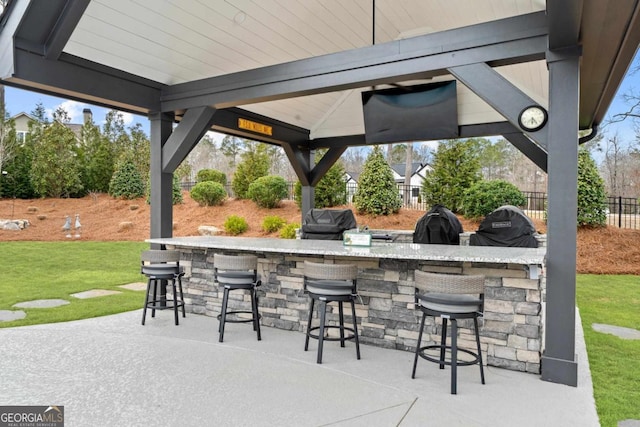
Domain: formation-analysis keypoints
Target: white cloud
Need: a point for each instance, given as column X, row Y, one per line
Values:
column 73, row 108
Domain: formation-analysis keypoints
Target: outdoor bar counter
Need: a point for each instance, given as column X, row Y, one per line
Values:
column 511, row 332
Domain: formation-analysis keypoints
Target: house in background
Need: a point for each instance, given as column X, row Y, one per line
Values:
column 418, row 173
column 22, row 120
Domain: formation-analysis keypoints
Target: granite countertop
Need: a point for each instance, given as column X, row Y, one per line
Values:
column 485, row 254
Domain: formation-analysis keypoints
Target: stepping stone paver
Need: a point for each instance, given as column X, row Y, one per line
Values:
column 629, row 423
column 137, row 286
column 619, row 331
column 94, row 293
column 9, row 315
column 41, row 303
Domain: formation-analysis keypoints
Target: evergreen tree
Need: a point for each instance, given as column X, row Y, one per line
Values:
column 455, row 169
column 99, row 159
column 126, row 181
column 377, row 192
column 592, row 200
column 254, row 164
column 55, row 170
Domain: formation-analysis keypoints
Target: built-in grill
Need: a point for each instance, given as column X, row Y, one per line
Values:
column 327, row 224
column 438, row 226
column 505, row 226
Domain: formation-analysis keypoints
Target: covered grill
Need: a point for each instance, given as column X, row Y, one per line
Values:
column 438, row 226
column 505, row 226
column 327, row 224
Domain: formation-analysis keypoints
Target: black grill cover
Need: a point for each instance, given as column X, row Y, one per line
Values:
column 438, row 226
column 327, row 224
column 506, row 226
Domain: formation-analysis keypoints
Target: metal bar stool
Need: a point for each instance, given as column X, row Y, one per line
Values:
column 450, row 297
column 158, row 266
column 326, row 283
column 237, row 272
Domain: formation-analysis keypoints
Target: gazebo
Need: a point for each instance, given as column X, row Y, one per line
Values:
column 304, row 74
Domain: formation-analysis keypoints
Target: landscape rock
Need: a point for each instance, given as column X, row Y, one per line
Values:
column 208, row 230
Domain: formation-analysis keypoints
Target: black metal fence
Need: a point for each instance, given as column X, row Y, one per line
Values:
column 623, row 212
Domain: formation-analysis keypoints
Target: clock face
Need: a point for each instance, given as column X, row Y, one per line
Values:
column 532, row 118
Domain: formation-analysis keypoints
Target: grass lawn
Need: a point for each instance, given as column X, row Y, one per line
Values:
column 614, row 362
column 54, row 270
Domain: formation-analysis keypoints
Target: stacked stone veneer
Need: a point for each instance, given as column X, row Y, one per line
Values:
column 511, row 332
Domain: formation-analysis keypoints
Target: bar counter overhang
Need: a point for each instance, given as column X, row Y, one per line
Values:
column 512, row 332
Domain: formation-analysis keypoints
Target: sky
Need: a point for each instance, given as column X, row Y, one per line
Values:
column 18, row 101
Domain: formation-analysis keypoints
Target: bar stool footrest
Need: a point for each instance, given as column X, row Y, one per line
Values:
column 317, row 336
column 219, row 316
column 167, row 304
column 437, row 360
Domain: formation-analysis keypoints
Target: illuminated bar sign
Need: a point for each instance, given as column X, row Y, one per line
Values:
column 255, row 127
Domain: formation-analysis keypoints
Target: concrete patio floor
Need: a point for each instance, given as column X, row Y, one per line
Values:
column 111, row 371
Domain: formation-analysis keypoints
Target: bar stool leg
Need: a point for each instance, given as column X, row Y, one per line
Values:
column 223, row 314
column 146, row 301
column 341, row 318
column 254, row 309
column 475, row 323
column 175, row 300
column 454, row 356
column 155, row 297
column 443, row 342
column 322, row 309
column 415, row 359
column 306, row 340
column 355, row 328
column 181, row 296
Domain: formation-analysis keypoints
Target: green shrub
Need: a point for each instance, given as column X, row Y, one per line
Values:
column 254, row 164
column 274, row 223
column 235, row 225
column 208, row 193
column 126, row 181
column 213, row 175
column 377, row 192
column 289, row 231
column 268, row 191
column 484, row 197
column 592, row 199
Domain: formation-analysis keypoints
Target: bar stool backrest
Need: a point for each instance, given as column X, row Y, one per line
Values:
column 330, row 278
column 160, row 263
column 449, row 283
column 235, row 269
column 434, row 288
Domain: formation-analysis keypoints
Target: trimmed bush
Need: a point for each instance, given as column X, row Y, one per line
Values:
column 289, row 231
column 126, row 182
column 274, row 223
column 268, row 191
column 484, row 197
column 208, row 193
column 377, row 192
column 235, row 225
column 592, row 199
column 211, row 175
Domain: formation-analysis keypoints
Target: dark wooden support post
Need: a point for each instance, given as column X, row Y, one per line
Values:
column 161, row 182
column 559, row 360
column 308, row 190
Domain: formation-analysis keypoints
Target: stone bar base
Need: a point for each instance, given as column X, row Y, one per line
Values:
column 511, row 331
